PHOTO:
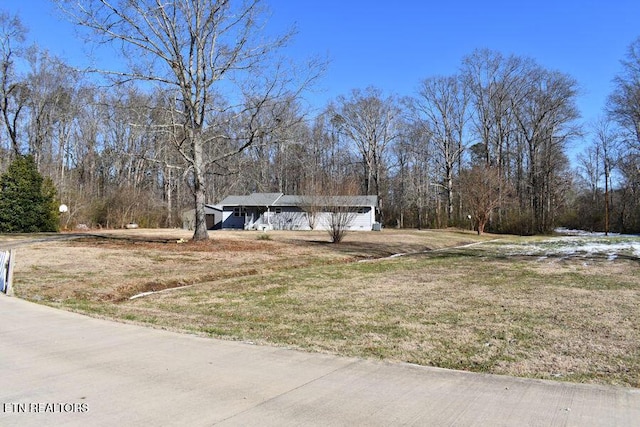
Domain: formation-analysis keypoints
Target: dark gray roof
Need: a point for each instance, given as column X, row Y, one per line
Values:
column 279, row 199
column 208, row 210
column 353, row 201
column 254, row 199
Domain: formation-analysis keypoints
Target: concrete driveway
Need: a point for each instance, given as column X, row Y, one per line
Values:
column 64, row 369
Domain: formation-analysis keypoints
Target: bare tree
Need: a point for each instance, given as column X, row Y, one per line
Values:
column 483, row 193
column 339, row 220
column 334, row 200
column 369, row 121
column 624, row 102
column 331, row 158
column 52, row 86
column 589, row 164
column 412, row 177
column 441, row 108
column 545, row 118
column 200, row 49
column 13, row 91
column 494, row 82
column 607, row 142
column 311, row 210
column 311, row 204
column 624, row 108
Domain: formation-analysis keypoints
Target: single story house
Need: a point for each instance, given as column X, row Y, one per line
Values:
column 277, row 211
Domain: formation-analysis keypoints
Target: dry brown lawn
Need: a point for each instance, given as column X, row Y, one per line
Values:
column 473, row 308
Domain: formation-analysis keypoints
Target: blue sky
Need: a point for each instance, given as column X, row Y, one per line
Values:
column 394, row 45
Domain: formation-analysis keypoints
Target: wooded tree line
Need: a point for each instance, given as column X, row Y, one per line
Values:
column 608, row 191
column 486, row 147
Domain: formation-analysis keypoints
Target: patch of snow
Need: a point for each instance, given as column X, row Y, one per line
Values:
column 580, row 245
column 572, row 232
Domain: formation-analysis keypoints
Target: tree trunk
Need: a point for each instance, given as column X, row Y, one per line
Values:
column 169, row 196
column 449, row 195
column 199, row 187
column 606, row 199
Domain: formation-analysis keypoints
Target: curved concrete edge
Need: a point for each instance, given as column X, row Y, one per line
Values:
column 109, row 373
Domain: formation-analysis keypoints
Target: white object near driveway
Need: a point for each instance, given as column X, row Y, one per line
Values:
column 6, row 272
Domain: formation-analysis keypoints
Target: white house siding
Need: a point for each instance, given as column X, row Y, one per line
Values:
column 362, row 221
column 294, row 219
column 291, row 218
column 280, row 212
column 288, row 218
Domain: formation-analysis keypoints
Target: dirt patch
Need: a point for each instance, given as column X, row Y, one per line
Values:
column 173, row 245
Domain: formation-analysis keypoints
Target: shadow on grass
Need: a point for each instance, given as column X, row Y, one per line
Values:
column 131, row 239
column 29, row 239
column 367, row 250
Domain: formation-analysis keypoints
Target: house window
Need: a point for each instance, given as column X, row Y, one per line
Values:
column 240, row 211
